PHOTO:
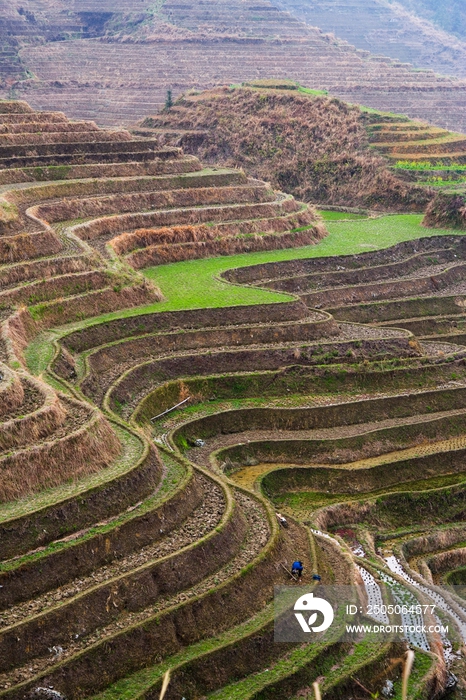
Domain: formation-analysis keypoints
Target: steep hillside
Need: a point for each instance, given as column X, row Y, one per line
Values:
column 311, row 145
column 146, row 443
column 143, row 48
column 37, row 22
column 448, row 14
column 389, row 28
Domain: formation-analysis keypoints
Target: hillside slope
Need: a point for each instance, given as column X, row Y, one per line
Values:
column 388, row 28
column 448, row 14
column 119, row 59
column 313, row 146
column 147, row 443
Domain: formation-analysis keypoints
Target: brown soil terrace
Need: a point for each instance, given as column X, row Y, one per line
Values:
column 123, row 543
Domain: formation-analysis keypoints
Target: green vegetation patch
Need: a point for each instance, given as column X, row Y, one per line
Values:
column 339, row 215
column 290, row 664
column 427, row 165
column 195, row 284
column 137, row 684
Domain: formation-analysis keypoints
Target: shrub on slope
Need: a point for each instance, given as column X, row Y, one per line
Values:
column 314, row 148
column 446, row 210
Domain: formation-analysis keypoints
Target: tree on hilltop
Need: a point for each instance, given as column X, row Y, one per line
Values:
column 169, row 100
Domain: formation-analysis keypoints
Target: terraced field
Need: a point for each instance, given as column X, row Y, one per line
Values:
column 388, row 29
column 115, row 62
column 420, row 153
column 145, row 451
column 283, row 132
column 405, row 140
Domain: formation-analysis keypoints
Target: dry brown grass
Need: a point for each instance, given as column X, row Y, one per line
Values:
column 17, row 331
column 93, row 170
column 46, row 125
column 63, row 311
column 36, row 425
column 343, row 514
column 15, row 107
column 446, row 211
column 62, row 286
column 62, row 136
column 142, row 238
column 64, row 364
column 161, row 254
column 83, row 452
column 447, row 561
column 112, row 225
column 11, row 391
column 316, row 149
column 115, row 204
column 26, row 246
column 43, row 269
column 434, row 542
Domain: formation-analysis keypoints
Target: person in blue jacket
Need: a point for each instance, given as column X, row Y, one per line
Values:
column 297, row 569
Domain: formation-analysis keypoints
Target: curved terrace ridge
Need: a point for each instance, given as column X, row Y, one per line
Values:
column 146, row 449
